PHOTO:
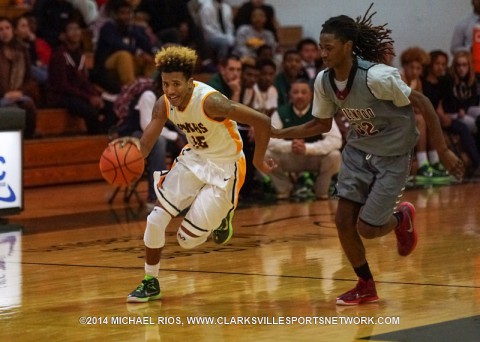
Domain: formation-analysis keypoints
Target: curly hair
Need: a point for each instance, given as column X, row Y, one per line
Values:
column 415, row 54
column 370, row 42
column 176, row 59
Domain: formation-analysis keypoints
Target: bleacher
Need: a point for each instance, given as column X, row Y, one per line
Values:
column 7, row 9
column 62, row 160
column 64, row 153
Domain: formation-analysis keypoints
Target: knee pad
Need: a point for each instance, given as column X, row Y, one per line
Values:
column 188, row 242
column 157, row 222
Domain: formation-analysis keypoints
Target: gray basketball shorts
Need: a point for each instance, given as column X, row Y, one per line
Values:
column 376, row 182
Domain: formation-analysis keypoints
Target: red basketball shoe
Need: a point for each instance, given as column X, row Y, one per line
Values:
column 405, row 231
column 364, row 292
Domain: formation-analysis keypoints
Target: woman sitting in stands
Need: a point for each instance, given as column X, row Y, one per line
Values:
column 15, row 76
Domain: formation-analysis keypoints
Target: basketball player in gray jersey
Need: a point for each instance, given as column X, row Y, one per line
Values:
column 382, row 134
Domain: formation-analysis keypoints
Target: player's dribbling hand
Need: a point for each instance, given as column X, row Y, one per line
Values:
column 266, row 166
column 453, row 164
column 125, row 140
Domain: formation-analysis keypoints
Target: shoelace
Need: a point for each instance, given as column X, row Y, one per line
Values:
column 141, row 286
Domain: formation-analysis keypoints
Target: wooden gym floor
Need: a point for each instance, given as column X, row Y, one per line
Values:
column 68, row 261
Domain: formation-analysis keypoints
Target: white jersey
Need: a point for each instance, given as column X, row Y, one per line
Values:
column 213, row 140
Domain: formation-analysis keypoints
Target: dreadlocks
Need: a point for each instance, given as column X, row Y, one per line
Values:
column 370, row 42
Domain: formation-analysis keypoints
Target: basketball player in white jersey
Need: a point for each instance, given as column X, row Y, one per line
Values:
column 210, row 170
column 380, row 140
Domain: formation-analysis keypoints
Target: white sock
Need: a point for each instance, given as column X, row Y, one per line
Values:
column 422, row 158
column 433, row 157
column 152, row 270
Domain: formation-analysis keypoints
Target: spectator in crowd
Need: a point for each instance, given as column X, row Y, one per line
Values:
column 68, row 83
column 463, row 32
column 106, row 9
column 267, row 52
column 433, row 79
column 51, row 18
column 291, row 70
column 249, row 97
column 235, row 80
column 228, row 78
column 319, row 154
column 123, row 51
column 217, row 26
column 311, row 64
column 267, row 98
column 459, row 107
column 248, row 79
column 430, row 170
column 251, row 36
column 38, row 48
column 462, row 101
column 244, row 13
column 134, row 106
column 15, row 80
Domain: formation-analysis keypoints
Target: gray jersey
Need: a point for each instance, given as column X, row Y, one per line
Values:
column 382, row 121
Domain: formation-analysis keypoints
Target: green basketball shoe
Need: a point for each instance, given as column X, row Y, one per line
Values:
column 147, row 290
column 222, row 234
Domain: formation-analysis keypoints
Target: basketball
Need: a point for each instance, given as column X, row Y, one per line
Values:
column 121, row 163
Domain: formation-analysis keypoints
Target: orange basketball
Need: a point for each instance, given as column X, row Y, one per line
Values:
column 121, row 163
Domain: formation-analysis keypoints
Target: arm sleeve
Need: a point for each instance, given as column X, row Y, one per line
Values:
column 241, row 41
column 145, row 106
column 458, row 42
column 323, row 107
column 385, row 83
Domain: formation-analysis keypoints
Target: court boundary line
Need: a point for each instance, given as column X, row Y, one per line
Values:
column 252, row 274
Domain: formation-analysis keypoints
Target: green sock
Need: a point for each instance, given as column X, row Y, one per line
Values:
column 148, row 277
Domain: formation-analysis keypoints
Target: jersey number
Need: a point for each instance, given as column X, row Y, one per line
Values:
column 365, row 128
column 199, row 141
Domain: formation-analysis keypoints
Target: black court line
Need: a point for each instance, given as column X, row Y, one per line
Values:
column 251, row 274
column 285, row 219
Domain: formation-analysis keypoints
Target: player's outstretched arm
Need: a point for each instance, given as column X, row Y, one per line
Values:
column 309, row 129
column 154, row 128
column 452, row 163
column 219, row 108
